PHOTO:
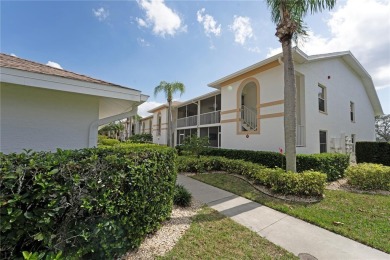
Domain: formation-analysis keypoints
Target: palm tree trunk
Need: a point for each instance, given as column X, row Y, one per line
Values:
column 169, row 123
column 289, row 107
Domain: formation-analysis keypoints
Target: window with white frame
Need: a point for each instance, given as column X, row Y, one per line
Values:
column 352, row 111
column 321, row 98
column 323, row 142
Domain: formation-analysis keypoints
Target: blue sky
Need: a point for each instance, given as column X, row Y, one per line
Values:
column 139, row 43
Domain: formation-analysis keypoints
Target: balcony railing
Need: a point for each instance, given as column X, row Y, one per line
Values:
column 210, row 118
column 187, row 121
column 249, row 118
column 300, row 135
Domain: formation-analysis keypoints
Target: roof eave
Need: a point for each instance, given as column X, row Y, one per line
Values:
column 32, row 79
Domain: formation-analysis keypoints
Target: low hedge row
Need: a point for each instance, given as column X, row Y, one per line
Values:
column 332, row 164
column 373, row 152
column 90, row 203
column 108, row 141
column 308, row 183
column 369, row 176
column 141, row 138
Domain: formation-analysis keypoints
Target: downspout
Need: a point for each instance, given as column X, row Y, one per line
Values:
column 92, row 139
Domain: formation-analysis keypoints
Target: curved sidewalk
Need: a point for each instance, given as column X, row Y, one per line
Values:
column 296, row 236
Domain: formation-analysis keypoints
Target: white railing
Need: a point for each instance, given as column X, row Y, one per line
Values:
column 249, row 117
column 300, row 135
column 187, row 121
column 210, row 118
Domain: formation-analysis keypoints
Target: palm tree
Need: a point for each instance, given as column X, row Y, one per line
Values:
column 169, row 89
column 288, row 16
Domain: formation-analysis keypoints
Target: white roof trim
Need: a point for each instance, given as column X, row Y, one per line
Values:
column 207, row 95
column 25, row 78
column 301, row 57
column 216, row 84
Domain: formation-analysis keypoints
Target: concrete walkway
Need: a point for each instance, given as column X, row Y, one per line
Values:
column 296, row 236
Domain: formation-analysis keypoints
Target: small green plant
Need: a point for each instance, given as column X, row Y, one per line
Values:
column 182, row 197
column 369, row 176
column 195, row 145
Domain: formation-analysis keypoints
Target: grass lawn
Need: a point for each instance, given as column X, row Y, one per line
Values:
column 364, row 218
column 213, row 236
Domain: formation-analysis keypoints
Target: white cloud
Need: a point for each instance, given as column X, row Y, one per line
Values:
column 146, row 106
column 13, row 55
column 142, row 42
column 141, row 22
column 101, row 14
column 209, row 24
column 163, row 19
column 242, row 29
column 361, row 26
column 54, row 65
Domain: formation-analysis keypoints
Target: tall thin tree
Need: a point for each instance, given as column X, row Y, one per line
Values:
column 169, row 90
column 288, row 16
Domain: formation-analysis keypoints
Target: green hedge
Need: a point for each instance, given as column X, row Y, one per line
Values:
column 90, row 203
column 373, row 152
column 369, row 176
column 332, row 164
column 109, row 142
column 141, row 138
column 268, row 159
column 308, row 183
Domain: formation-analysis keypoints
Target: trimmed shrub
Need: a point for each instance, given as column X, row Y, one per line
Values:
column 109, row 142
column 182, row 196
column 141, row 138
column 332, row 164
column 373, row 152
column 202, row 164
column 268, row 159
column 92, row 203
column 369, row 176
column 308, row 183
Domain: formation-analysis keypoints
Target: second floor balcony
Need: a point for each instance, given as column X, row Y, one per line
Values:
column 203, row 119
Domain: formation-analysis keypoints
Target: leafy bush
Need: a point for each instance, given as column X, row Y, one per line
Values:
column 333, row 165
column 109, row 142
column 369, row 176
column 373, row 152
column 195, row 145
column 141, row 138
column 268, row 159
column 203, row 164
column 182, row 196
column 308, row 183
column 91, row 203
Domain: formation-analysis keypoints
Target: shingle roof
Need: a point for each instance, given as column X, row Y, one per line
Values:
column 8, row 61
